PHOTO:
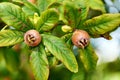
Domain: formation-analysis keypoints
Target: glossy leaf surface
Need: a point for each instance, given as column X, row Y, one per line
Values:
column 10, row 37
column 59, row 49
column 100, row 25
column 88, row 58
column 13, row 15
column 47, row 20
column 39, row 63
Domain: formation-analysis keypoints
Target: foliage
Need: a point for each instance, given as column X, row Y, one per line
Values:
column 55, row 58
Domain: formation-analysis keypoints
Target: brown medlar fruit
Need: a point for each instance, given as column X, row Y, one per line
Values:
column 32, row 38
column 80, row 38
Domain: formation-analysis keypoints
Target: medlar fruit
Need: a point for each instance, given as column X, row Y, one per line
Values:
column 80, row 38
column 32, row 38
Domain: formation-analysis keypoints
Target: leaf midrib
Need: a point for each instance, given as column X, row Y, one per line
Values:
column 45, row 20
column 18, row 18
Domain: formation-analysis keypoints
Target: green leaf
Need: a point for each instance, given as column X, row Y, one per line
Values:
column 39, row 63
column 59, row 49
column 54, row 4
column 57, row 31
column 47, row 20
column 97, row 5
column 13, row 15
column 10, row 37
column 81, row 71
column 42, row 5
column 19, row 1
column 88, row 58
column 31, row 6
column 60, row 72
column 83, row 4
column 11, row 59
column 67, row 39
column 72, row 13
column 100, row 25
column 28, row 11
column 52, row 61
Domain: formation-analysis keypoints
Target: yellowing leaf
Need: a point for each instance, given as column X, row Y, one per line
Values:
column 97, row 5
column 72, row 13
column 47, row 20
column 13, row 15
column 60, row 50
column 88, row 58
column 10, row 37
column 102, row 24
column 84, row 5
column 39, row 63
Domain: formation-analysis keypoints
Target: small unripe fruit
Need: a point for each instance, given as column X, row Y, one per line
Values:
column 32, row 38
column 80, row 38
column 66, row 28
